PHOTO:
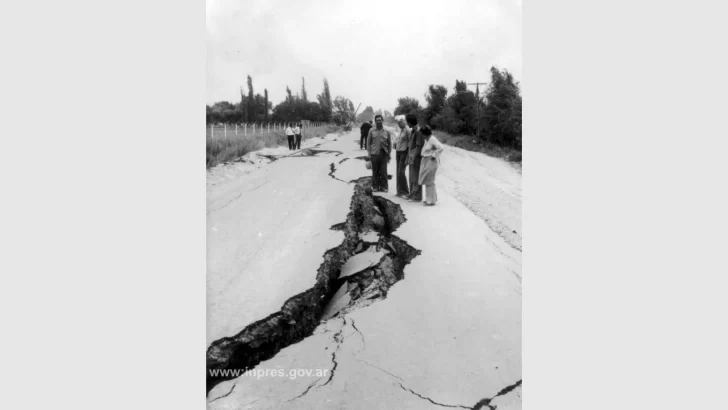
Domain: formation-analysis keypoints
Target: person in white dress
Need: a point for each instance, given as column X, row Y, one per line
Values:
column 431, row 151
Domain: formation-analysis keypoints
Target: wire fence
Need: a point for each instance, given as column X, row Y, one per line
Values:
column 215, row 131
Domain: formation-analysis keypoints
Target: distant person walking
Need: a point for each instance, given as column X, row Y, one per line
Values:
column 414, row 158
column 430, row 163
column 401, row 146
column 289, row 134
column 364, row 132
column 297, row 132
column 379, row 144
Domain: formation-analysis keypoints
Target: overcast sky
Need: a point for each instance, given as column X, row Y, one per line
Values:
column 371, row 52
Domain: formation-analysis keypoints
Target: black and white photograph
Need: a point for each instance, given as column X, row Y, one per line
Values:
column 363, row 205
column 362, row 235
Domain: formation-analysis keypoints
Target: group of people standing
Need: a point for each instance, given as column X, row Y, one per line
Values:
column 293, row 130
column 415, row 147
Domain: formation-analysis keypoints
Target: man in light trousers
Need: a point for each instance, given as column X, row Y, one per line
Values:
column 402, row 147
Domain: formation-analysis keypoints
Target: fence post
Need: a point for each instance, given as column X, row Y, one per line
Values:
column 236, row 128
column 246, row 129
column 225, row 130
column 212, row 131
column 253, row 128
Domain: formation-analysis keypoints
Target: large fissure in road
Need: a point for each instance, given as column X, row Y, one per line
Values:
column 331, row 295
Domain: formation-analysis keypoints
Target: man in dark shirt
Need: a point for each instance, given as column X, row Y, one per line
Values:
column 379, row 144
column 364, row 132
column 417, row 140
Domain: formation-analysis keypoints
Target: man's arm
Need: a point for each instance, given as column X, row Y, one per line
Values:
column 419, row 142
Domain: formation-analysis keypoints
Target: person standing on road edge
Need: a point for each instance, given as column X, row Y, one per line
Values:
column 379, row 144
column 430, row 163
column 364, row 133
column 297, row 133
column 289, row 134
column 401, row 146
column 414, row 158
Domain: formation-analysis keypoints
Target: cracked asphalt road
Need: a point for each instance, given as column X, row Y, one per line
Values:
column 448, row 335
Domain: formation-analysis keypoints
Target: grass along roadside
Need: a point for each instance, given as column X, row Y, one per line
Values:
column 487, row 148
column 225, row 149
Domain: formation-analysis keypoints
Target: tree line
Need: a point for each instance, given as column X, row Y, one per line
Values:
column 256, row 108
column 369, row 113
column 497, row 111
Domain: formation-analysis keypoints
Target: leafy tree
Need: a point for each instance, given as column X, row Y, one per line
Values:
column 296, row 109
column 243, row 105
column 250, row 99
column 324, row 100
column 258, row 108
column 503, row 109
column 327, row 92
column 463, row 106
column 456, row 114
column 408, row 105
column 265, row 117
column 436, row 101
column 343, row 109
column 224, row 112
column 366, row 115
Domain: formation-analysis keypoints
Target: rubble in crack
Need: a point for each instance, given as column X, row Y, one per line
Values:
column 371, row 284
column 301, row 314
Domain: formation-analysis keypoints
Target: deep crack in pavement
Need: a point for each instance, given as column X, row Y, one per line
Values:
column 301, row 314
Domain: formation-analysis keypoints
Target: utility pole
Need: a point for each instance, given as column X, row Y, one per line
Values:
column 354, row 115
column 477, row 103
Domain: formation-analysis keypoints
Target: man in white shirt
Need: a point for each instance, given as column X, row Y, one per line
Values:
column 297, row 132
column 289, row 134
column 401, row 146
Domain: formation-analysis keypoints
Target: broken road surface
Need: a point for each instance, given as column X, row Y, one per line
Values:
column 354, row 299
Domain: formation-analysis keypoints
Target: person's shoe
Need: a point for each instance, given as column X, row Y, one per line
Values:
column 429, row 204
